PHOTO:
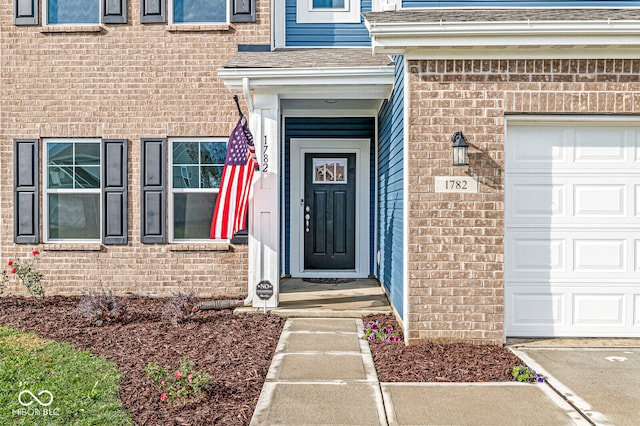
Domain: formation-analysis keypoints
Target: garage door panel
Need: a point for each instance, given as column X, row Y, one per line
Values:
column 602, row 309
column 532, row 201
column 600, row 255
column 537, row 254
column 572, row 229
column 575, row 253
column 539, row 149
column 599, row 200
column 572, row 309
column 531, row 309
column 572, row 200
column 600, row 146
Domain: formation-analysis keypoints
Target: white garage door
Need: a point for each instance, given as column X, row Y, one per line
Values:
column 572, row 229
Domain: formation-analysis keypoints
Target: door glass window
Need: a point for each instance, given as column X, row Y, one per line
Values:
column 329, row 170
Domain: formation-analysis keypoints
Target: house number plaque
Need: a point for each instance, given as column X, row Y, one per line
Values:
column 460, row 184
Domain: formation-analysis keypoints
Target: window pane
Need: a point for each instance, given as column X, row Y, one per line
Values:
column 60, row 153
column 328, row 4
column 185, row 153
column 213, row 152
column 88, row 177
column 60, row 177
column 74, row 216
column 87, row 154
column 199, row 10
column 192, row 214
column 210, row 177
column 73, row 12
column 185, row 177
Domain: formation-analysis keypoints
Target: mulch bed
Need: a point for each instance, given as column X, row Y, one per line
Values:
column 439, row 362
column 235, row 350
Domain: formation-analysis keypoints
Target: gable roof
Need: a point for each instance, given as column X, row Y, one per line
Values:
column 504, row 15
column 496, row 32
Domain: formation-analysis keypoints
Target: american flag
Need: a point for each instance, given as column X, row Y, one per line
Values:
column 237, row 174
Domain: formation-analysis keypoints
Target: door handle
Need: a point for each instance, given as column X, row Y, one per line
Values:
column 307, row 218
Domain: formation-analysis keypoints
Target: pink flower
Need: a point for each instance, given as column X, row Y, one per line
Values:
column 35, row 252
column 10, row 263
column 190, row 377
column 194, row 309
column 161, row 382
column 14, row 270
column 163, row 397
column 178, row 375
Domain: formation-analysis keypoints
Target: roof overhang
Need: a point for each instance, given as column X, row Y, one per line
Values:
column 308, row 83
column 550, row 39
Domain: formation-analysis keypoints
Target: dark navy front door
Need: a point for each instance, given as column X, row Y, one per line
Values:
column 329, row 211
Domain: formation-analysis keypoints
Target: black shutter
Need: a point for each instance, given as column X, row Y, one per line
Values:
column 152, row 11
column 25, row 12
column 243, row 11
column 114, row 11
column 25, row 192
column 153, row 203
column 114, row 191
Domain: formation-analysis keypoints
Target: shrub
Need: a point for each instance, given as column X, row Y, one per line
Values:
column 25, row 273
column 181, row 307
column 101, row 307
column 181, row 386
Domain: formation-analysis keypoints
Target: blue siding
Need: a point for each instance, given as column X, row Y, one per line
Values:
column 325, row 35
column 315, row 127
column 391, row 191
column 517, row 3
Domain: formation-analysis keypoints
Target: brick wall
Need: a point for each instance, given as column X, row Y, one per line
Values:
column 456, row 241
column 128, row 81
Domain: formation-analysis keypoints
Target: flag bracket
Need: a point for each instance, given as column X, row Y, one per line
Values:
column 235, row 98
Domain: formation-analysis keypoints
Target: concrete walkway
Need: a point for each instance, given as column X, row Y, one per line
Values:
column 323, row 374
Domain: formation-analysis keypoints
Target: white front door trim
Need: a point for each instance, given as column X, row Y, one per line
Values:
column 302, row 146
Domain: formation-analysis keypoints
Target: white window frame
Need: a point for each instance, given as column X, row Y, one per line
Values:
column 306, row 14
column 47, row 191
column 172, row 190
column 171, row 21
column 45, row 16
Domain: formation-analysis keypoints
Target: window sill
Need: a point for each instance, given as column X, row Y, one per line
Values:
column 72, row 29
column 200, row 247
column 198, row 28
column 73, row 247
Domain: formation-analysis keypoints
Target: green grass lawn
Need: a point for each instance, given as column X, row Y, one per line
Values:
column 73, row 387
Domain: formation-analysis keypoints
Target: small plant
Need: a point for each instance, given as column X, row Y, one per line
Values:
column 373, row 330
column 101, row 307
column 25, row 272
column 525, row 374
column 181, row 307
column 181, row 386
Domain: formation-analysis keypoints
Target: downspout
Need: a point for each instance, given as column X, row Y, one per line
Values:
column 249, row 101
column 247, row 93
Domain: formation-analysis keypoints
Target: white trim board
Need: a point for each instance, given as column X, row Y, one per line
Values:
column 301, row 146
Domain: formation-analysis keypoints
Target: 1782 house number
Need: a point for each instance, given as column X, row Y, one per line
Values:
column 455, row 184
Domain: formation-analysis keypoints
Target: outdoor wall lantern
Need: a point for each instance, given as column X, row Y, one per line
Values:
column 460, row 147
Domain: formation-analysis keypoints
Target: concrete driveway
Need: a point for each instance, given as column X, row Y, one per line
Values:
column 602, row 382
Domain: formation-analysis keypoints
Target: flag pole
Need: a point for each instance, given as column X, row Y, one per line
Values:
column 235, row 98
